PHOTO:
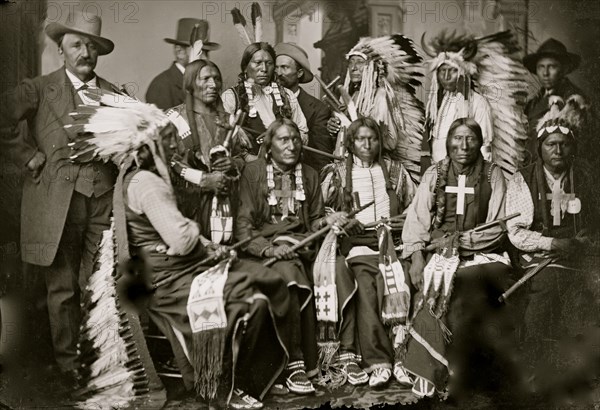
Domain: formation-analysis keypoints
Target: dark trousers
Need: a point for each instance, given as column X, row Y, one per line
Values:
column 68, row 275
column 375, row 343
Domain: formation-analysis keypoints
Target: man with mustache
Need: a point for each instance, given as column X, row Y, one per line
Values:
column 293, row 68
column 260, row 95
column 65, row 206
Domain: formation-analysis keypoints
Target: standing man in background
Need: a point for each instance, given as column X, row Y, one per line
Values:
column 293, row 68
column 166, row 90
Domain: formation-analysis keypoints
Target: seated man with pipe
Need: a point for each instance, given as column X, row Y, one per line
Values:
column 280, row 205
column 459, row 284
column 557, row 231
column 371, row 293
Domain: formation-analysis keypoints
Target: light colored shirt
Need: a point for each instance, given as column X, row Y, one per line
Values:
column 148, row 194
column 416, row 233
column 518, row 199
column 264, row 105
column 369, row 182
column 454, row 106
column 80, row 86
column 180, row 68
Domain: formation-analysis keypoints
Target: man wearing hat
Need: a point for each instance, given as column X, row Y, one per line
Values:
column 292, row 68
column 166, row 91
column 551, row 63
column 65, row 206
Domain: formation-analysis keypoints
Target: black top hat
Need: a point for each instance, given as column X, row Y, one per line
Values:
column 555, row 49
column 184, row 30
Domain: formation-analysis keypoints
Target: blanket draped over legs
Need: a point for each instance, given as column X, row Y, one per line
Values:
column 562, row 321
column 303, row 316
column 478, row 324
column 261, row 341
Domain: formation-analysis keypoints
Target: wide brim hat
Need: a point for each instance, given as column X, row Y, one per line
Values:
column 299, row 55
column 85, row 24
column 184, row 31
column 555, row 49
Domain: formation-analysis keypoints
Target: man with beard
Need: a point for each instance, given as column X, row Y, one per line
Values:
column 293, row 68
column 65, row 206
column 260, row 95
column 460, row 283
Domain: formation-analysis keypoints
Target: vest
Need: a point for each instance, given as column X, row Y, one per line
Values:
column 476, row 205
column 542, row 219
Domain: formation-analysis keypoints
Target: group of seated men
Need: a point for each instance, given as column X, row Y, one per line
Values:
column 351, row 275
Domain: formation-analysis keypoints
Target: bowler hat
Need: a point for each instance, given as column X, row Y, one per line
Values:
column 184, row 31
column 555, row 49
column 299, row 55
column 82, row 23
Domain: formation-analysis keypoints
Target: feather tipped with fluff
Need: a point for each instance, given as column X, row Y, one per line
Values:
column 256, row 15
column 239, row 22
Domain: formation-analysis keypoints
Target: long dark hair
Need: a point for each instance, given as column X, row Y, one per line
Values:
column 468, row 122
column 270, row 133
column 192, row 70
column 347, row 200
column 240, row 89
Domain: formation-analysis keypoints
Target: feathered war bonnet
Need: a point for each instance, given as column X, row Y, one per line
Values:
column 117, row 129
column 456, row 51
column 563, row 118
column 392, row 69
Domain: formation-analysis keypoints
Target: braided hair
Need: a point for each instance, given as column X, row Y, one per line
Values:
column 444, row 166
column 239, row 89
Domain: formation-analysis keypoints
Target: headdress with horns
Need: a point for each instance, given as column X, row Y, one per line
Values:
column 563, row 117
column 492, row 66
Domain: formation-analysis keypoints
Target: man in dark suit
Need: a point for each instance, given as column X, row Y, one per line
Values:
column 166, row 90
column 65, row 206
column 293, row 68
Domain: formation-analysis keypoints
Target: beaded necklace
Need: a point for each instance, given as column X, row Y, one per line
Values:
column 272, row 89
column 292, row 198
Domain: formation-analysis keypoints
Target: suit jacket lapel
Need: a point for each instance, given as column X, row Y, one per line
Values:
column 177, row 77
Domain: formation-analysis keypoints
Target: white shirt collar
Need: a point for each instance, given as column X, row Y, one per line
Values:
column 180, row 67
column 297, row 92
column 551, row 180
column 77, row 83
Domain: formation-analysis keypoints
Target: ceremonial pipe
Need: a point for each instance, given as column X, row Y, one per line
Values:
column 532, row 272
column 325, row 154
column 327, row 91
column 203, row 262
column 317, row 234
column 479, row 228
